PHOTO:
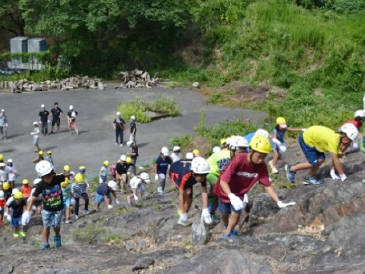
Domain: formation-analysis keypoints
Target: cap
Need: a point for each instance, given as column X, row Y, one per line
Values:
column 10, row 160
column 118, row 113
column 42, row 106
column 133, row 117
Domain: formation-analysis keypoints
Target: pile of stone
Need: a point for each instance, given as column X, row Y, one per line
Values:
column 137, row 79
column 66, row 84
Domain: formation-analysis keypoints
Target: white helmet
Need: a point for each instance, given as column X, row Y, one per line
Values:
column 43, row 168
column 165, row 151
column 189, row 156
column 2, row 165
column 176, row 148
column 2, row 195
column 36, row 181
column 118, row 113
column 350, row 130
column 15, row 190
column 200, row 166
column 123, row 157
column 112, row 185
column 262, row 132
column 71, row 107
column 42, row 106
column 145, row 177
column 241, row 142
column 35, row 123
column 216, row 149
column 133, row 117
column 359, row 113
column 9, row 161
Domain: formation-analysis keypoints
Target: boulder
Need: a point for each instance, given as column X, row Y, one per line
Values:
column 143, row 263
column 200, row 233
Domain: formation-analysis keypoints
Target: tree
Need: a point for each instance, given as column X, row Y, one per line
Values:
column 11, row 17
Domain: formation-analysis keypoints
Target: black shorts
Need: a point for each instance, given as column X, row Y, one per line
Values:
column 56, row 121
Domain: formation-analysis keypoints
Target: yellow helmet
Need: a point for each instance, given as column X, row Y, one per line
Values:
column 25, row 182
column 66, row 168
column 79, row 177
column 128, row 160
column 64, row 184
column 280, row 120
column 223, row 141
column 196, row 152
column 1, row 157
column 260, row 144
column 40, row 152
column 106, row 163
column 6, row 186
column 18, row 195
column 49, row 152
column 82, row 168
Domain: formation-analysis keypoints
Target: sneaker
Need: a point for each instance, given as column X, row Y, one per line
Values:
column 289, row 174
column 45, row 246
column 179, row 212
column 311, row 181
column 116, row 144
column 87, row 212
column 76, row 217
column 23, row 234
column 57, row 241
column 67, row 221
column 16, row 235
column 274, row 170
column 186, row 223
column 234, row 232
column 121, row 145
column 160, row 190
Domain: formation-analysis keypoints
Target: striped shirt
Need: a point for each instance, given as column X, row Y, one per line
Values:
column 78, row 189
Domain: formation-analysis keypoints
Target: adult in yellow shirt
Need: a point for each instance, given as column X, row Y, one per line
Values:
column 317, row 140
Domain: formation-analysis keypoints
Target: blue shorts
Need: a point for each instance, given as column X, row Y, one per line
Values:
column 51, row 219
column 227, row 208
column 142, row 188
column 99, row 199
column 104, row 178
column 310, row 153
column 16, row 221
column 66, row 202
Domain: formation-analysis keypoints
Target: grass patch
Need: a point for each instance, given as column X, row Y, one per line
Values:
column 139, row 108
column 115, row 239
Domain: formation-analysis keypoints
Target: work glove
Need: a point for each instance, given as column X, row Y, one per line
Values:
column 156, row 177
column 282, row 149
column 110, row 206
column 206, row 217
column 303, row 129
column 355, row 145
column 333, row 174
column 8, row 217
column 245, row 199
column 26, row 217
column 117, row 201
column 343, row 177
column 276, row 141
column 236, row 202
column 283, row 205
column 135, row 197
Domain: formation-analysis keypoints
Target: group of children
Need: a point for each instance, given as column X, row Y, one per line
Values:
column 225, row 177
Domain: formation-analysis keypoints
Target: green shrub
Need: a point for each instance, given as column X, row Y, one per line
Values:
column 139, row 108
column 181, row 141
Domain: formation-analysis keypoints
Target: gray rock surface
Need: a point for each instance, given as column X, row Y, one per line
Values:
column 200, row 233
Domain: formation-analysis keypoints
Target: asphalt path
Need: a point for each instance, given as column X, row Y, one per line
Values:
column 96, row 141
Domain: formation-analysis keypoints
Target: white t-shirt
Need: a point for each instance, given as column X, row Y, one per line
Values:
column 11, row 173
column 175, row 157
column 135, row 182
column 3, row 175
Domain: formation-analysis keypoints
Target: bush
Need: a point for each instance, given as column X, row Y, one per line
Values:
column 139, row 108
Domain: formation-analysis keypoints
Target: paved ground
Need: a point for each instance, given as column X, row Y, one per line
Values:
column 96, row 113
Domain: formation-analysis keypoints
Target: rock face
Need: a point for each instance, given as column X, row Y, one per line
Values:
column 323, row 233
column 220, row 261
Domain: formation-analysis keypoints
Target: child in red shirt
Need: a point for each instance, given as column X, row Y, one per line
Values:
column 2, row 205
column 26, row 189
column 240, row 175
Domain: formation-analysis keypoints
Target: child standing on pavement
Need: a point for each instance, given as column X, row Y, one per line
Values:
column 35, row 134
column 3, row 124
column 279, row 143
column 103, row 174
column 12, row 173
column 16, row 218
column 78, row 190
column 40, row 157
